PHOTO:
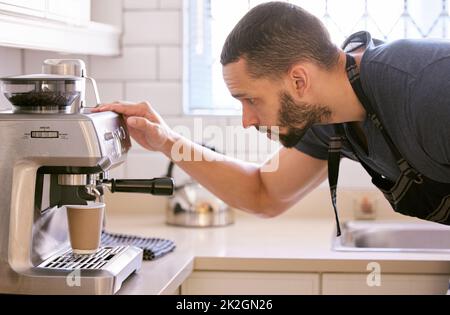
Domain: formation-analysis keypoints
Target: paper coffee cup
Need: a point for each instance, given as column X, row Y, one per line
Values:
column 85, row 227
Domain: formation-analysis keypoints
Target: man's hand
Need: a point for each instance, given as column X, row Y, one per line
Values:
column 144, row 124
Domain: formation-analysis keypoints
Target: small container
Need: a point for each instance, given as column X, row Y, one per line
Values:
column 85, row 227
column 365, row 208
column 44, row 93
column 192, row 205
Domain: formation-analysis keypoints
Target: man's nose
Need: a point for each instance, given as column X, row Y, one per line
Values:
column 249, row 118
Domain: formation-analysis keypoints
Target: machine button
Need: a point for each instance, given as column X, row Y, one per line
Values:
column 122, row 133
column 108, row 136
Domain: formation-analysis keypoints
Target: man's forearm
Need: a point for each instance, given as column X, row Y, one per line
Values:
column 236, row 182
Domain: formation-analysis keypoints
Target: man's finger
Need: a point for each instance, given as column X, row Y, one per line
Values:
column 142, row 109
column 123, row 109
column 105, row 107
column 138, row 123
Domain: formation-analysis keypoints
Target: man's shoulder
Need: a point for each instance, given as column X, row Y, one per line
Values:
column 410, row 56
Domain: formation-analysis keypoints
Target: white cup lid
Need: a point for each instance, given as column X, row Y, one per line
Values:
column 88, row 206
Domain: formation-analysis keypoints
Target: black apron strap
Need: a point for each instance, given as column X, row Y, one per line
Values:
column 334, row 159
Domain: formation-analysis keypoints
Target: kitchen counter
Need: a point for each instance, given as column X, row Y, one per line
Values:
column 286, row 244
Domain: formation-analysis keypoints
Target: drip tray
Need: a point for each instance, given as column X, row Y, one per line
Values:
column 71, row 261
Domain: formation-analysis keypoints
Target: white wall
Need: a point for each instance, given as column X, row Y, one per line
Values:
column 10, row 64
column 150, row 68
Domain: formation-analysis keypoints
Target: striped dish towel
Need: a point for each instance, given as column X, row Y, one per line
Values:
column 153, row 247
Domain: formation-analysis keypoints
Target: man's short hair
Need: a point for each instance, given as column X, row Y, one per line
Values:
column 273, row 36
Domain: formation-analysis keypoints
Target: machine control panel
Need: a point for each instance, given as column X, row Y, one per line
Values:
column 117, row 136
column 45, row 134
column 112, row 135
column 119, row 133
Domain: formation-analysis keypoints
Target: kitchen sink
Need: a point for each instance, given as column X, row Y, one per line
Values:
column 393, row 236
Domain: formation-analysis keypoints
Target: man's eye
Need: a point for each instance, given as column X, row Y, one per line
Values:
column 251, row 101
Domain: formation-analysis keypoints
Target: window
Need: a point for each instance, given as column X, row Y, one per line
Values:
column 210, row 21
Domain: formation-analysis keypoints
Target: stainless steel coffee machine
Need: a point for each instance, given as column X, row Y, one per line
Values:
column 54, row 153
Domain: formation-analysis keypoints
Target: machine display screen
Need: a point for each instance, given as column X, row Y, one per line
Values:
column 45, row 134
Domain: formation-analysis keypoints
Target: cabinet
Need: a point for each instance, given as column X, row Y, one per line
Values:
column 28, row 7
column 56, row 25
column 388, row 284
column 246, row 283
column 74, row 11
column 294, row 283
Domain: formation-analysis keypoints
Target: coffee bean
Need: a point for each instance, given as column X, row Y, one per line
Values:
column 42, row 99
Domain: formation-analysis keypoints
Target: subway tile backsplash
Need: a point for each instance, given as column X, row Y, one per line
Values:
column 141, row 4
column 109, row 11
column 10, row 61
column 165, row 97
column 10, row 64
column 170, row 63
column 170, row 4
column 152, row 27
column 135, row 63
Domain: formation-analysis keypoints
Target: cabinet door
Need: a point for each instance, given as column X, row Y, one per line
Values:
column 29, row 7
column 386, row 284
column 245, row 283
column 73, row 11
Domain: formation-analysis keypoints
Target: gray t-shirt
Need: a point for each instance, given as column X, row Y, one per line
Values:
column 408, row 84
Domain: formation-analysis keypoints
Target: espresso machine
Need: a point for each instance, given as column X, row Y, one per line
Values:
column 53, row 152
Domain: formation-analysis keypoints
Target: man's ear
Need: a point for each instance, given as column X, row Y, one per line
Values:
column 299, row 78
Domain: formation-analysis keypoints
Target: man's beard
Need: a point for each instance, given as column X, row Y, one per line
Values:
column 292, row 115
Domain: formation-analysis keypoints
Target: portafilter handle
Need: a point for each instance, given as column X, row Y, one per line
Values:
column 162, row 186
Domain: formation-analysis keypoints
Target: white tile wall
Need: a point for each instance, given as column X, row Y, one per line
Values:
column 171, row 4
column 165, row 97
column 146, row 165
column 109, row 11
column 136, row 63
column 149, row 165
column 190, row 122
column 170, row 63
column 152, row 27
column 10, row 61
column 152, row 4
column 140, row 4
column 10, row 64
column 201, row 129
